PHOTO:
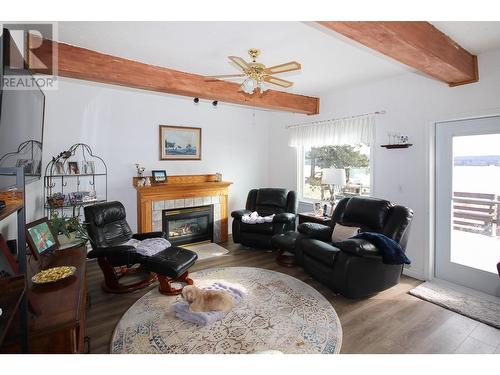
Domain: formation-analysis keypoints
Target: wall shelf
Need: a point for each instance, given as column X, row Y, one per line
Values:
column 76, row 205
column 402, row 145
column 94, row 181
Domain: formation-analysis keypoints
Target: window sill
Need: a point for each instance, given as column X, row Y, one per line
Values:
column 309, row 201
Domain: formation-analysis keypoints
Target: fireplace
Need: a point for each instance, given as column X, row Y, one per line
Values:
column 188, row 225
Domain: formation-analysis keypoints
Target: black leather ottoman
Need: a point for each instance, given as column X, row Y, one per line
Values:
column 285, row 243
column 170, row 265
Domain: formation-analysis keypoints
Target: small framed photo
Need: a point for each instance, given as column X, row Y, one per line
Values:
column 76, row 197
column 40, row 237
column 73, row 167
column 159, row 176
column 180, row 143
column 88, row 167
column 89, row 196
column 59, row 167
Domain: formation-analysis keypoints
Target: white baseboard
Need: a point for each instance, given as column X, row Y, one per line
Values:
column 415, row 274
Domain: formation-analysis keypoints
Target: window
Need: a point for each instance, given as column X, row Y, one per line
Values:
column 313, row 161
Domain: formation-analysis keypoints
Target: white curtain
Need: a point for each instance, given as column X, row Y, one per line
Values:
column 334, row 132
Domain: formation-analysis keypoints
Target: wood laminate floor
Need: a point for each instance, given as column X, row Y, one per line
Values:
column 391, row 322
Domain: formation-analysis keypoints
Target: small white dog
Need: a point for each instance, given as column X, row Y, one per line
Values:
column 207, row 300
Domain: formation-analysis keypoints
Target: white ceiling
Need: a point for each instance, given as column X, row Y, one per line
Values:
column 328, row 60
column 476, row 37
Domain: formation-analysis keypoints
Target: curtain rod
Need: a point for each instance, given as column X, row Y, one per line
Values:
column 335, row 119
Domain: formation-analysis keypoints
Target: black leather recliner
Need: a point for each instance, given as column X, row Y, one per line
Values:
column 354, row 267
column 267, row 201
column 108, row 230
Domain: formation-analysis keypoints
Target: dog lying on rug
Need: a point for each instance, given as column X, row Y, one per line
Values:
column 205, row 306
column 201, row 300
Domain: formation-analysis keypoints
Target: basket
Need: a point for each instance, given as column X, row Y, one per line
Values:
column 55, row 202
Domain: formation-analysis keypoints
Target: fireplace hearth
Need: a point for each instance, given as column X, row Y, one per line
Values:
column 189, row 224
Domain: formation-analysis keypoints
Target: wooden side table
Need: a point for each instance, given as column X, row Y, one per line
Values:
column 12, row 290
column 311, row 217
column 58, row 325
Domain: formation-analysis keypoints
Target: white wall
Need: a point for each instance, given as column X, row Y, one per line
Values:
column 121, row 126
column 413, row 103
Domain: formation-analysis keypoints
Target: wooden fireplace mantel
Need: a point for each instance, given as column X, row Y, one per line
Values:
column 178, row 187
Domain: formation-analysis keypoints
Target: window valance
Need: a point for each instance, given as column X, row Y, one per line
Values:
column 355, row 130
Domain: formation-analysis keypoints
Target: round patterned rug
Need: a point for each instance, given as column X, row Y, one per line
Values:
column 278, row 313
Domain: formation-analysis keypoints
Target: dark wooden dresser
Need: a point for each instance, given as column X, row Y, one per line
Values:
column 58, row 311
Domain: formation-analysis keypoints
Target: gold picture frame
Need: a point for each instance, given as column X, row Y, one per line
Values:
column 180, row 143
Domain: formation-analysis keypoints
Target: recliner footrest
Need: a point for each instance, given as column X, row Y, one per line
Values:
column 173, row 261
column 285, row 241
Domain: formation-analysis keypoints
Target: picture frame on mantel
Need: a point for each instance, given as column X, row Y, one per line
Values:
column 159, row 176
column 180, row 143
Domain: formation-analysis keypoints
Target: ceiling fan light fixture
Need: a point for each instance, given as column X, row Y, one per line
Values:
column 248, row 85
column 263, row 87
column 254, row 73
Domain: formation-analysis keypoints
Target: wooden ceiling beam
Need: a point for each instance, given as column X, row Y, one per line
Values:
column 415, row 43
column 85, row 64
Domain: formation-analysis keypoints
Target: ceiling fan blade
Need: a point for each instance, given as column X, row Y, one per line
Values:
column 287, row 67
column 242, row 64
column 213, row 78
column 278, row 81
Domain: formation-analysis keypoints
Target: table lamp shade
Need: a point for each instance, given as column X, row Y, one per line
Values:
column 334, row 176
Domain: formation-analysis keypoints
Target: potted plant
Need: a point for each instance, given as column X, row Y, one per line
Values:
column 69, row 229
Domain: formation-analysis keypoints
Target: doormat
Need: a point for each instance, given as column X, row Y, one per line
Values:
column 479, row 308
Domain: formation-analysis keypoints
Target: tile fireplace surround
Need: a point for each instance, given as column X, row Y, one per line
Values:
column 159, row 206
column 180, row 192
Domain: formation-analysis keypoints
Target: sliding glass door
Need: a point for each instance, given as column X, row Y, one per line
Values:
column 468, row 203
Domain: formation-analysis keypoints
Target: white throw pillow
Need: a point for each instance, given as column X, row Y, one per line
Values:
column 342, row 232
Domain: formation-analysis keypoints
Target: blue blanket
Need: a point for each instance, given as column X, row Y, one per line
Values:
column 391, row 251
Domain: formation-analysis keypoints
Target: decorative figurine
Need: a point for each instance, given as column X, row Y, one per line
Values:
column 147, row 182
column 140, row 170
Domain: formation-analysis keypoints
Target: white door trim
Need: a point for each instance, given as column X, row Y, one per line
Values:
column 430, row 197
column 443, row 267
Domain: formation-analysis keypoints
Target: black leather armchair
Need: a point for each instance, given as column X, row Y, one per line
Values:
column 108, row 230
column 354, row 267
column 280, row 202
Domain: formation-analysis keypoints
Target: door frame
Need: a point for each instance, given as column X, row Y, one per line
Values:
column 444, row 268
column 430, row 183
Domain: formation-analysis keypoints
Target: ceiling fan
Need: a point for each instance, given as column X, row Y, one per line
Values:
column 256, row 74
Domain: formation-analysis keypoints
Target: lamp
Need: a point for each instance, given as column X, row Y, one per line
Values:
column 335, row 177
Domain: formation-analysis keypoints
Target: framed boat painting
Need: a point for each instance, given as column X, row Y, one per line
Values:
column 180, row 143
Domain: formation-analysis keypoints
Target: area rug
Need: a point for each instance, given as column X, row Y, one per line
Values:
column 473, row 306
column 207, row 250
column 279, row 313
